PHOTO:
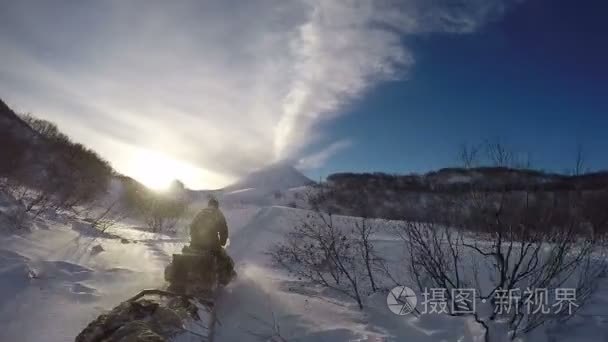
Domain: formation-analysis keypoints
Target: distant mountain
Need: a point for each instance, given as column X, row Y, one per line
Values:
column 481, row 178
column 275, row 177
column 418, row 197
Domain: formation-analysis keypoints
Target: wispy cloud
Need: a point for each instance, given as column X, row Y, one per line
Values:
column 225, row 86
column 318, row 159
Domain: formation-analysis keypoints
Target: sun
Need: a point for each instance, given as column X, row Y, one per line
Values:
column 154, row 170
column 157, row 171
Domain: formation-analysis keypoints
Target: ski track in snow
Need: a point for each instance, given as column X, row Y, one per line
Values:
column 52, row 286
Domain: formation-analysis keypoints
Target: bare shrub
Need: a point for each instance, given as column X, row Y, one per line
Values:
column 468, row 155
column 498, row 153
column 325, row 250
column 52, row 171
column 517, row 244
column 160, row 211
column 580, row 161
column 110, row 215
column 162, row 214
column 594, row 209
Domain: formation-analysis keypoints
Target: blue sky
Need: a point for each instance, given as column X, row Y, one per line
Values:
column 207, row 91
column 536, row 79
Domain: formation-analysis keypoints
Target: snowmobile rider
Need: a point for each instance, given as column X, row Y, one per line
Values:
column 209, row 232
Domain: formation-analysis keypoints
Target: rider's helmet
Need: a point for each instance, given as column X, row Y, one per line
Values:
column 213, row 202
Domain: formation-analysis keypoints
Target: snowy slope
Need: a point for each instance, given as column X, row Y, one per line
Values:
column 52, row 285
column 264, row 301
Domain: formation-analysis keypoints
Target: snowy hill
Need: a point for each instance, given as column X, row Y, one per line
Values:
column 35, row 153
column 271, row 178
column 276, row 184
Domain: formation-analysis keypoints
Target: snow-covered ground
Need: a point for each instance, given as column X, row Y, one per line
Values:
column 54, row 281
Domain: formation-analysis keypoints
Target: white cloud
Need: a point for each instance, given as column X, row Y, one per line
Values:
column 225, row 86
column 318, row 159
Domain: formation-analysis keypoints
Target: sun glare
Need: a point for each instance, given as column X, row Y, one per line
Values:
column 155, row 170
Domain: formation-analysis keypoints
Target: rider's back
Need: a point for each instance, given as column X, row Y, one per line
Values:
column 209, row 229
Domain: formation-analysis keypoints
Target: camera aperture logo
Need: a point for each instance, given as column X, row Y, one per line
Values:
column 401, row 300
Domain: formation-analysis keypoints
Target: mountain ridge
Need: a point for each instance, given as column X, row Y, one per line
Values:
column 274, row 177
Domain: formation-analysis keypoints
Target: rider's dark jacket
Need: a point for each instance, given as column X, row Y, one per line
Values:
column 209, row 230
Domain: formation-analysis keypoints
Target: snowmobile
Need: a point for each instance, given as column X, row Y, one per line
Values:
column 194, row 279
column 198, row 272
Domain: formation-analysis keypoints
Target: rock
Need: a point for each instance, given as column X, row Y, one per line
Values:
column 82, row 226
column 97, row 249
column 124, row 241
